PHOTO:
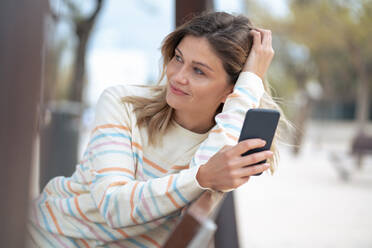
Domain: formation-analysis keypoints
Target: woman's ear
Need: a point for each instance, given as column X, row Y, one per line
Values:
column 227, row 92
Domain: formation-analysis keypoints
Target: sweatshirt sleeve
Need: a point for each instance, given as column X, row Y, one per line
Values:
column 124, row 201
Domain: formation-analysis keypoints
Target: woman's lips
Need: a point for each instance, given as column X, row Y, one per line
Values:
column 177, row 91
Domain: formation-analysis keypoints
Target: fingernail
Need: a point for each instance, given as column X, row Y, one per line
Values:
column 263, row 142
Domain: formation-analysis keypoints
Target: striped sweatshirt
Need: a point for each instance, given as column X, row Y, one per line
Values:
column 125, row 192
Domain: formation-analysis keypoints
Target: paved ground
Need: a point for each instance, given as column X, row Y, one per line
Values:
column 305, row 204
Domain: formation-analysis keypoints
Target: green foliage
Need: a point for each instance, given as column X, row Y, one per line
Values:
column 337, row 35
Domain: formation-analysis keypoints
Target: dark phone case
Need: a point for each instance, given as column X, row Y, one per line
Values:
column 259, row 123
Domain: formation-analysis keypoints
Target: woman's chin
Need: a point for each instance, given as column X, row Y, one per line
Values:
column 171, row 101
column 174, row 102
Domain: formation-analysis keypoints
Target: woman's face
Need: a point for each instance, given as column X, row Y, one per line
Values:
column 197, row 81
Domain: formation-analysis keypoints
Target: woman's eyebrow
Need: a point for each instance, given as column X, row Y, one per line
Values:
column 195, row 62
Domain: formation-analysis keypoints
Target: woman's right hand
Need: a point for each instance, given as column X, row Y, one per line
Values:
column 261, row 54
column 227, row 169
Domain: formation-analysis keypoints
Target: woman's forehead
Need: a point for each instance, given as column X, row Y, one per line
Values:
column 198, row 49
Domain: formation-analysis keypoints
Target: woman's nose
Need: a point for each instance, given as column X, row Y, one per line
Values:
column 181, row 76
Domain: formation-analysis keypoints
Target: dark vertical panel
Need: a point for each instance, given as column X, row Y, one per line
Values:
column 227, row 233
column 21, row 35
column 187, row 8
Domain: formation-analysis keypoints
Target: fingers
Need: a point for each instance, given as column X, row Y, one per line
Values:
column 262, row 37
column 254, row 158
column 256, row 39
column 246, row 145
column 246, row 172
column 266, row 37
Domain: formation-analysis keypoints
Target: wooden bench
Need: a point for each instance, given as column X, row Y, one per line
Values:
column 197, row 227
column 361, row 146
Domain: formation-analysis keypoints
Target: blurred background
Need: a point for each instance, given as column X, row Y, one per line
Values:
column 321, row 194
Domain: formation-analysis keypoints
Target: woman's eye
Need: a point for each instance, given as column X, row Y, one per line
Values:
column 198, row 71
column 178, row 58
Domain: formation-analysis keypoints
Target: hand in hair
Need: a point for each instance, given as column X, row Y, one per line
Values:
column 227, row 169
column 261, row 54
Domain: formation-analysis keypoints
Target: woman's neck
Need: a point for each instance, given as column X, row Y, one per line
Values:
column 194, row 122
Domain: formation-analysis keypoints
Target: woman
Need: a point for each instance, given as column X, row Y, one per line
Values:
column 155, row 149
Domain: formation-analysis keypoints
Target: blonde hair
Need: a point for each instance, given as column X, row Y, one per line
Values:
column 229, row 37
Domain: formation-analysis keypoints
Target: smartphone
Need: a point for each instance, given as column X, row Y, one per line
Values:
column 259, row 123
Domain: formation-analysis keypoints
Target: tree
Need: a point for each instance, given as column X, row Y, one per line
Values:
column 335, row 35
column 82, row 25
column 331, row 30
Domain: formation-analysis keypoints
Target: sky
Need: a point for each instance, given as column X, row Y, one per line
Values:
column 124, row 47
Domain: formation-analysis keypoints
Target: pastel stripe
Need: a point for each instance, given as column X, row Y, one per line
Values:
column 109, row 216
column 57, row 187
column 72, row 214
column 208, row 148
column 152, row 241
column 142, row 218
column 109, row 152
column 140, row 175
column 106, row 169
column 231, row 126
column 155, row 166
column 180, row 167
column 124, row 234
column 106, row 231
column 133, row 241
column 193, row 162
column 69, row 207
column 76, row 201
column 46, row 224
column 247, row 93
column 135, row 144
column 104, row 135
column 82, row 176
column 42, row 235
column 109, row 174
column 148, row 210
column 139, row 213
column 150, row 174
column 53, row 218
column 227, row 116
column 219, row 130
column 132, row 203
column 138, row 158
column 56, row 225
column 73, row 242
column 169, row 195
column 107, row 144
column 70, row 188
column 84, row 243
column 153, row 199
column 118, row 183
column 110, row 126
column 178, row 192
column 64, row 188
column 107, row 201
column 233, row 95
column 91, row 229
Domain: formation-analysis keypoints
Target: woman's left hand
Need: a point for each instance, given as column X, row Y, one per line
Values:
column 261, row 54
